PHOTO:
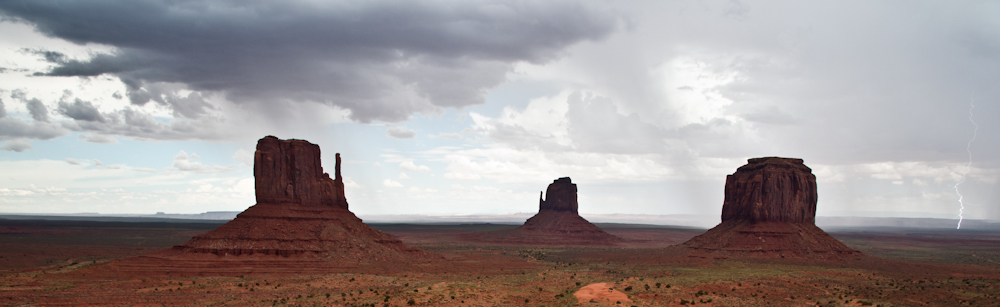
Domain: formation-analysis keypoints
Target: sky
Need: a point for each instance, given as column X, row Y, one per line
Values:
column 473, row 107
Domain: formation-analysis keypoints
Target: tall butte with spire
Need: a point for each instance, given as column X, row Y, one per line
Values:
column 769, row 211
column 557, row 222
column 301, row 222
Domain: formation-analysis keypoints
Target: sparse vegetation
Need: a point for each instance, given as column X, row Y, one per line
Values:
column 552, row 281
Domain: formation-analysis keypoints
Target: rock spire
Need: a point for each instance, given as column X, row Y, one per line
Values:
column 556, row 223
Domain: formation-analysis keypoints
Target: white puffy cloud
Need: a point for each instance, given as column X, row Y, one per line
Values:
column 122, row 189
column 413, row 167
column 392, row 183
column 244, row 157
column 184, row 162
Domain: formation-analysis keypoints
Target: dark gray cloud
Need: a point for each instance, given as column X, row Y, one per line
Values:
column 382, row 60
column 35, row 106
column 192, row 105
column 81, row 110
column 38, row 110
column 136, row 124
column 49, row 56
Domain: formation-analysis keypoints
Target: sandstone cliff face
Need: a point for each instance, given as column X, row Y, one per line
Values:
column 771, row 189
column 769, row 211
column 289, row 171
column 560, row 196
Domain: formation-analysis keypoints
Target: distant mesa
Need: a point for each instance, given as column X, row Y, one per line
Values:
column 557, row 222
column 770, row 211
column 301, row 221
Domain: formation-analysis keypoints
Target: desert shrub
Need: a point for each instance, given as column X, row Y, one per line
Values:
column 629, row 288
column 411, row 302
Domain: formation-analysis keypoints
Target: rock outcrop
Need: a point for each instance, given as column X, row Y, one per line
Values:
column 769, row 211
column 771, row 189
column 561, row 196
column 301, row 222
column 557, row 223
column 289, row 171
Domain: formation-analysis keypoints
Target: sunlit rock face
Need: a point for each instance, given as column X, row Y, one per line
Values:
column 771, row 189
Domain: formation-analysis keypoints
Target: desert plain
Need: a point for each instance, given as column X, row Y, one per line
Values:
column 70, row 263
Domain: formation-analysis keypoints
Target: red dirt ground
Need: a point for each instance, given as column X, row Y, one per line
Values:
column 949, row 274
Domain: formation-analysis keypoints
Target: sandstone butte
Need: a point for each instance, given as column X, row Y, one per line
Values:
column 301, row 223
column 556, row 223
column 769, row 211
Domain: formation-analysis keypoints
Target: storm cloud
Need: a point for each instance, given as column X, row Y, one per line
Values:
column 381, row 60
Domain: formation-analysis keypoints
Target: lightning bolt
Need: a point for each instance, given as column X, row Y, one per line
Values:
column 968, row 149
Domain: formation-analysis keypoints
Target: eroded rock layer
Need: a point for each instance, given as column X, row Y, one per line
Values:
column 290, row 171
column 561, row 196
column 769, row 211
column 771, row 189
column 300, row 219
